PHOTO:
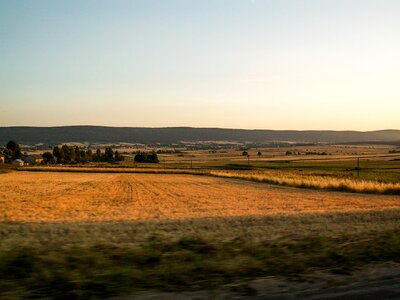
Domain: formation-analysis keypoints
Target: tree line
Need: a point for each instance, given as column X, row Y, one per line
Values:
column 11, row 151
column 64, row 154
column 73, row 154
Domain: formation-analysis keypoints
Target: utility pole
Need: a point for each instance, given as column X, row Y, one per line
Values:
column 191, row 164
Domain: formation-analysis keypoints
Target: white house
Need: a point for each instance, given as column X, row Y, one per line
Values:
column 33, row 159
column 18, row 162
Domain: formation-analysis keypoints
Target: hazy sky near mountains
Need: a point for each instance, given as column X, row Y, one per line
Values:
column 218, row 63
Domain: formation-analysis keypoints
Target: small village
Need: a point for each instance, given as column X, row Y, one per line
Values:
column 25, row 160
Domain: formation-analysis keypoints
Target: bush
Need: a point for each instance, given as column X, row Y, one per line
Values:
column 143, row 157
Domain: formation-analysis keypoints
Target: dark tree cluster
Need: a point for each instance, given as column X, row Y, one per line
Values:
column 307, row 153
column 394, row 151
column 316, row 153
column 168, row 151
column 11, row 151
column 143, row 157
column 73, row 154
column 48, row 158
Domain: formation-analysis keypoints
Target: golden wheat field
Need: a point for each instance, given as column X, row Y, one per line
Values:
column 71, row 197
column 318, row 182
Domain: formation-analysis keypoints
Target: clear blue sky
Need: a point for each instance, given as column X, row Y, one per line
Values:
column 221, row 63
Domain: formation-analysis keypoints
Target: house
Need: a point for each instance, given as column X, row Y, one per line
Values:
column 33, row 159
column 18, row 162
column 2, row 159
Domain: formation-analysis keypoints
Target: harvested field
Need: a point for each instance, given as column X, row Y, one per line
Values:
column 372, row 182
column 79, row 197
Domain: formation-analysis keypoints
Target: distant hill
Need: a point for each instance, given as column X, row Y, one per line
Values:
column 102, row 134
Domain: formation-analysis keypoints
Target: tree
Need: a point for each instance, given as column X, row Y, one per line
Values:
column 66, row 153
column 8, row 155
column 109, row 154
column 82, row 156
column 118, row 156
column 259, row 153
column 245, row 153
column 74, row 154
column 62, row 155
column 153, row 157
column 146, row 158
column 48, row 157
column 97, row 156
column 77, row 154
column 57, row 154
column 13, row 150
column 89, row 154
column 140, row 157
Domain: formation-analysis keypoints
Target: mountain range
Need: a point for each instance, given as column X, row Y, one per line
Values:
column 168, row 135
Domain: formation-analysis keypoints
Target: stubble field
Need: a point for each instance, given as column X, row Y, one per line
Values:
column 72, row 197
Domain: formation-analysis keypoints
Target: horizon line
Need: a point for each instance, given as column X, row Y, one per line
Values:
column 194, row 127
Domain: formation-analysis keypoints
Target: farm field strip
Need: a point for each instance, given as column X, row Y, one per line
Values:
column 81, row 197
column 315, row 182
column 313, row 179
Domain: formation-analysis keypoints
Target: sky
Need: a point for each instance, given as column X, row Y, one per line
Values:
column 288, row 64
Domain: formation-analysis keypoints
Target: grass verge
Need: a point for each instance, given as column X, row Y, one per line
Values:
column 103, row 270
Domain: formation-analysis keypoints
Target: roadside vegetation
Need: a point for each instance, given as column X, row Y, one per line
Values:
column 98, row 260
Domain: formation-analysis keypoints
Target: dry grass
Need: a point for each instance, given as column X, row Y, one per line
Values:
column 72, row 197
column 359, row 225
column 315, row 182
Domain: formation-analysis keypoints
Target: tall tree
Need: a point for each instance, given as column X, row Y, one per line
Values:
column 58, row 154
column 89, row 153
column 67, row 153
column 82, row 155
column 118, row 156
column 14, row 150
column 77, row 154
column 109, row 154
column 48, row 157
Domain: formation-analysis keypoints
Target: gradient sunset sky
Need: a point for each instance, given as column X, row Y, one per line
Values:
column 223, row 63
